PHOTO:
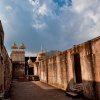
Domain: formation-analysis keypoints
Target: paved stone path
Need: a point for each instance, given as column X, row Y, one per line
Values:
column 36, row 90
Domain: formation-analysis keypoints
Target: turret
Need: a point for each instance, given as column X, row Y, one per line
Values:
column 22, row 46
column 18, row 60
column 17, row 54
column 30, row 63
column 41, row 55
column 14, row 46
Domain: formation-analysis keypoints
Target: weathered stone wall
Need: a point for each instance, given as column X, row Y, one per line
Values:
column 2, row 77
column 35, row 69
column 18, row 60
column 70, row 70
column 18, row 69
column 1, row 58
column 43, row 71
column 53, row 71
column 5, row 65
column 6, row 71
column 18, row 55
column 96, row 65
column 85, row 51
column 59, row 70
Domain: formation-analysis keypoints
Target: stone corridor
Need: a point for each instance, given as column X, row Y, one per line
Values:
column 36, row 90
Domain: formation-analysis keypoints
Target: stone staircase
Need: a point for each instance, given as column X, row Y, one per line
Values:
column 35, row 78
column 76, row 91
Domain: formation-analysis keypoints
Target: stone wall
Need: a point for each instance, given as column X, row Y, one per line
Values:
column 1, row 57
column 5, row 66
column 18, row 69
column 59, row 70
column 18, row 62
column 18, row 55
column 96, row 65
column 6, row 71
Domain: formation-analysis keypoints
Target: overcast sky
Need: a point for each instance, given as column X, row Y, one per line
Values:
column 54, row 24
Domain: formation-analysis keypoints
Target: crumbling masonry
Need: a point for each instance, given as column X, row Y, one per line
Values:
column 78, row 66
column 75, row 68
column 5, row 67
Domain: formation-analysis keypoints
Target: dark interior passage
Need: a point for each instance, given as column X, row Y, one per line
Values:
column 29, row 70
column 77, row 68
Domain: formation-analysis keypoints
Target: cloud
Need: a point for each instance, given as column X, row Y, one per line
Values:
column 34, row 2
column 9, row 8
column 90, row 14
column 30, row 54
column 39, row 25
column 43, row 9
column 54, row 24
column 72, row 24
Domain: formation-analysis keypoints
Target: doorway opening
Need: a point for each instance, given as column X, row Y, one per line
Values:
column 77, row 68
column 30, row 71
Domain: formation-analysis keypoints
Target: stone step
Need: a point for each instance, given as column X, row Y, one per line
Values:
column 35, row 78
column 76, row 90
column 72, row 94
column 78, row 86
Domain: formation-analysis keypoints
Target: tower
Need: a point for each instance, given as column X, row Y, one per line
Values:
column 18, row 60
column 41, row 55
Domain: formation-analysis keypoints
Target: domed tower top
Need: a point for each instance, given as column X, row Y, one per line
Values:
column 22, row 46
column 41, row 55
column 14, row 46
column 30, row 63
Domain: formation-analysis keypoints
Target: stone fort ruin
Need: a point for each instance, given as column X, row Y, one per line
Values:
column 74, row 70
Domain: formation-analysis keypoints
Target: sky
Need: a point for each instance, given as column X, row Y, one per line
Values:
column 52, row 24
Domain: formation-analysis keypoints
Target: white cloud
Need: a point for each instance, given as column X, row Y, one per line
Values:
column 39, row 25
column 43, row 10
column 3, row 18
column 9, row 8
column 76, row 23
column 79, row 5
column 30, row 54
column 55, row 27
column 34, row 2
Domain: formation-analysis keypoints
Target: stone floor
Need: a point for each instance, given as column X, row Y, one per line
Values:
column 36, row 90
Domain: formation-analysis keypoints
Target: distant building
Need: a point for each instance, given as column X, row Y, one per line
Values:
column 29, row 66
column 25, row 66
column 22, row 66
column 18, row 60
column 51, row 53
column 41, row 55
